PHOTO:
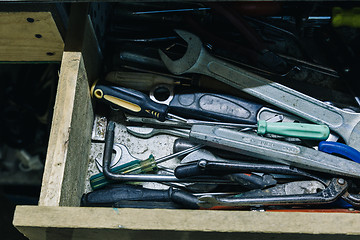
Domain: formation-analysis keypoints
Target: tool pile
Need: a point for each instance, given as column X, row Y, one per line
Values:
column 234, row 85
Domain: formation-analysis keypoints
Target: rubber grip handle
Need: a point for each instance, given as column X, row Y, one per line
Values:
column 299, row 130
column 341, row 149
column 214, row 107
column 184, row 199
column 129, row 100
column 189, row 170
column 117, row 193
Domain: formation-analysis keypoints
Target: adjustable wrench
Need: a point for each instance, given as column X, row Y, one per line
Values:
column 198, row 60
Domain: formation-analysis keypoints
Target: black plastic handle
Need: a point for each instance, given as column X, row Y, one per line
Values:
column 214, row 107
column 183, row 198
column 129, row 100
column 189, row 170
column 249, row 181
column 116, row 193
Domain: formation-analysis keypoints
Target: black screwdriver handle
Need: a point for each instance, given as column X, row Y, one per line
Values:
column 129, row 100
column 183, row 198
column 116, row 193
column 214, row 107
column 125, row 193
column 249, row 181
column 189, row 170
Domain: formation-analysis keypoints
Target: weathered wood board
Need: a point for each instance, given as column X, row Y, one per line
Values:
column 109, row 223
column 29, row 36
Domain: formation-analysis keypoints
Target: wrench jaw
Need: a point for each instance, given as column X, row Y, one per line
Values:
column 190, row 57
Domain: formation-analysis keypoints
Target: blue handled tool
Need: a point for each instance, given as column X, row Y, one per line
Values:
column 340, row 148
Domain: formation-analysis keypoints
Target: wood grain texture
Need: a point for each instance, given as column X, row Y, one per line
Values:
column 35, row 40
column 69, row 142
column 118, row 222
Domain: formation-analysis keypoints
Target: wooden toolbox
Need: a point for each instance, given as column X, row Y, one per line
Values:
column 59, row 216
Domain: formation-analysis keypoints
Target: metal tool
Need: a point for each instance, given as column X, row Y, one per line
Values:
column 121, row 151
column 333, row 191
column 197, row 60
column 205, row 167
column 273, row 150
column 290, row 188
column 204, row 153
column 231, row 157
column 98, row 180
column 314, row 132
column 270, row 149
column 147, row 132
column 124, row 163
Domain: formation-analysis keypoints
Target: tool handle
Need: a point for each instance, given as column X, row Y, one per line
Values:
column 129, row 100
column 341, row 149
column 136, row 80
column 183, row 198
column 115, row 193
column 346, row 17
column 249, row 181
column 299, row 130
column 189, row 170
column 214, row 107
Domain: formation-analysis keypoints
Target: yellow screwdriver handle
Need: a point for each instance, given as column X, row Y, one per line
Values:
column 344, row 17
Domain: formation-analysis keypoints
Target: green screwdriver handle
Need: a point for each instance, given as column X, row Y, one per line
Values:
column 299, row 130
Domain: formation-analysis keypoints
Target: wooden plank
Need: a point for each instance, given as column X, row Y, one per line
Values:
column 70, row 137
column 112, row 223
column 69, row 142
column 113, row 234
column 29, row 36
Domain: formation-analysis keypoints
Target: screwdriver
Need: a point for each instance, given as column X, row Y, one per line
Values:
column 140, row 104
column 115, row 193
column 346, row 17
column 149, row 164
column 130, row 101
column 300, row 130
